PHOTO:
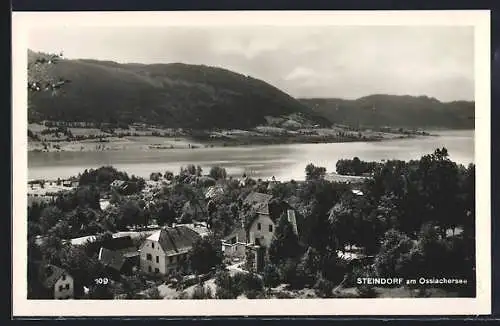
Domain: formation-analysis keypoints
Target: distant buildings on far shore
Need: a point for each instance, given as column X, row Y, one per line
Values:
column 46, row 190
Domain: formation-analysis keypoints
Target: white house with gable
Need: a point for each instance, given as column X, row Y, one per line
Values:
column 166, row 251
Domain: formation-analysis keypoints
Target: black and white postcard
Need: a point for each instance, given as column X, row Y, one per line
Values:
column 251, row 163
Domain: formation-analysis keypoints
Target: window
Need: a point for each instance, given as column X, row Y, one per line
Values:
column 157, row 270
column 149, row 269
column 152, row 245
column 67, row 286
column 259, row 226
column 157, row 259
column 60, row 288
column 149, row 257
column 170, row 259
column 64, row 277
column 270, row 228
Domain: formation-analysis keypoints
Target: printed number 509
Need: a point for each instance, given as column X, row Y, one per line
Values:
column 101, row 280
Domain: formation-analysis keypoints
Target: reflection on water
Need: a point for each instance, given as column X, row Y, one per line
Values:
column 282, row 161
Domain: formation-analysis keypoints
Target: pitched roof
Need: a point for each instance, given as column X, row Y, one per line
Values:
column 238, row 231
column 118, row 243
column 50, row 274
column 259, row 202
column 174, row 240
column 83, row 240
column 111, row 258
column 214, row 191
column 117, row 183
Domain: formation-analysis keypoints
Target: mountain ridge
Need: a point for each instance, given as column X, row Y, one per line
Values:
column 180, row 95
column 384, row 110
column 172, row 95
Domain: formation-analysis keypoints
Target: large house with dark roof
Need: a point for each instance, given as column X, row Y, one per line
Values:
column 119, row 255
column 166, row 251
column 56, row 282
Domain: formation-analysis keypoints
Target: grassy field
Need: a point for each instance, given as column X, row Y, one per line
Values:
column 154, row 138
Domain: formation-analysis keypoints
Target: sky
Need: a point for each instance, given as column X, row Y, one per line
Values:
column 328, row 61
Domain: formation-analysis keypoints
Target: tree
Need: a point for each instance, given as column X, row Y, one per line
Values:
column 308, row 267
column 271, row 276
column 251, row 282
column 133, row 213
column 166, row 214
column 199, row 171
column 227, row 287
column 223, row 220
column 155, row 176
column 205, row 255
column 35, row 289
column 100, row 292
column 218, row 173
column 284, row 243
column 440, row 186
column 49, row 217
column 395, row 255
column 315, row 172
column 87, row 196
column 169, row 175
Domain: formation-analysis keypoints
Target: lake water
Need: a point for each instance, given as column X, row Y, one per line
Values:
column 282, row 161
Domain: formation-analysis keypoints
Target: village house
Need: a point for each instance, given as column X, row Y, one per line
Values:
column 234, row 245
column 56, row 282
column 166, row 251
column 119, row 185
column 70, row 183
column 214, row 192
column 119, row 255
column 256, row 235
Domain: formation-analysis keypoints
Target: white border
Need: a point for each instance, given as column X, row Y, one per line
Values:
column 23, row 21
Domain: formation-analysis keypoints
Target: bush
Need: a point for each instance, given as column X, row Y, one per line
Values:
column 359, row 271
column 366, row 291
column 153, row 293
column 254, row 294
column 218, row 173
column 283, row 295
column 182, row 296
column 323, row 288
column 227, row 286
column 202, row 292
column 252, row 282
column 271, row 275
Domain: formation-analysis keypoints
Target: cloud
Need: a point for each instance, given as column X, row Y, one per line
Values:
column 301, row 73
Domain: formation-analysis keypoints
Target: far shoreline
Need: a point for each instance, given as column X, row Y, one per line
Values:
column 162, row 143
